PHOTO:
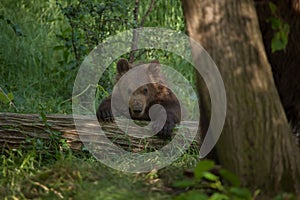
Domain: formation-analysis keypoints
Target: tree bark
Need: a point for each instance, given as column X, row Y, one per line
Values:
column 16, row 129
column 256, row 142
column 285, row 63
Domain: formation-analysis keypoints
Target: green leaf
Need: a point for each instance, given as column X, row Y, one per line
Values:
column 240, row 192
column 210, row 176
column 229, row 176
column 183, row 183
column 272, row 7
column 10, row 96
column 286, row 28
column 3, row 97
column 275, row 23
column 277, row 44
column 218, row 196
column 203, row 166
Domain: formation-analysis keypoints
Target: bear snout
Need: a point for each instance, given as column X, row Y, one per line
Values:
column 137, row 110
column 137, row 107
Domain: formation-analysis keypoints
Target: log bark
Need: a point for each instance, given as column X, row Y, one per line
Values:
column 17, row 130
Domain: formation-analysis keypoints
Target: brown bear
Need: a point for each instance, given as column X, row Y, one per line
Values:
column 142, row 98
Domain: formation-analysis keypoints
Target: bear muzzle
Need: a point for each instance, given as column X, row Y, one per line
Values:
column 137, row 108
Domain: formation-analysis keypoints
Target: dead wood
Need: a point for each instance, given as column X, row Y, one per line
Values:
column 17, row 130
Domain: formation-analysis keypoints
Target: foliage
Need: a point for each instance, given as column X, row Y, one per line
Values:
column 7, row 98
column 91, row 22
column 281, row 30
column 43, row 45
column 204, row 182
column 30, row 67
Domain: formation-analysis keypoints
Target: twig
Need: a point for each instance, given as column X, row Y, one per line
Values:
column 136, row 12
column 147, row 13
column 135, row 38
column 135, row 33
column 140, row 54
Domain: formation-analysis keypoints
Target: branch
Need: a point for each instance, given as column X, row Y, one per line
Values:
column 136, row 13
column 135, row 33
column 147, row 13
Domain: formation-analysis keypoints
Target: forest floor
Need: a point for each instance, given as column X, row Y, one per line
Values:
column 36, row 175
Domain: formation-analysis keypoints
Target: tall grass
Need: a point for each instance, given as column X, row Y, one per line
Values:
column 30, row 67
column 37, row 67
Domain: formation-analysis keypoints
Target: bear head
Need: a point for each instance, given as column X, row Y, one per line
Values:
column 141, row 97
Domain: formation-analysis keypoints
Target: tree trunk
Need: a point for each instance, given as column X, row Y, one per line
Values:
column 16, row 130
column 285, row 63
column 256, row 142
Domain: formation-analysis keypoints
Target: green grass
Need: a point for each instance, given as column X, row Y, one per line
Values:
column 37, row 72
column 33, row 174
column 30, row 67
column 38, row 67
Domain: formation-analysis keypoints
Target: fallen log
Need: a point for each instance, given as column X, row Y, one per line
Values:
column 17, row 130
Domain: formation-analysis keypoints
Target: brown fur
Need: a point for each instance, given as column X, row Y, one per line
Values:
column 144, row 97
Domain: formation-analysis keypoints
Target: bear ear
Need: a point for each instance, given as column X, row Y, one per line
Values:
column 155, row 61
column 123, row 66
column 154, row 67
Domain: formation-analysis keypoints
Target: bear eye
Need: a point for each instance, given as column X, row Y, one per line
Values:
column 145, row 91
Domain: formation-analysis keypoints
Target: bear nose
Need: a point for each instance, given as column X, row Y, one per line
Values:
column 137, row 110
column 137, row 107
